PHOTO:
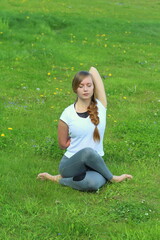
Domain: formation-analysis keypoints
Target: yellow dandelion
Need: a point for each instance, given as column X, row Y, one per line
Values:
column 60, row 89
column 54, row 78
column 57, row 88
column 2, row 135
column 10, row 128
column 81, row 64
column 55, row 120
column 48, row 73
column 54, row 93
column 115, row 121
column 110, row 74
column 105, row 45
column 124, row 97
column 41, row 95
column 52, row 107
column 109, row 115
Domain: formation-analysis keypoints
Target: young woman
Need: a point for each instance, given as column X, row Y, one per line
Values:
column 80, row 130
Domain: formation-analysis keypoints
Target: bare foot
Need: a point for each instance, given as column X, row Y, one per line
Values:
column 47, row 176
column 121, row 178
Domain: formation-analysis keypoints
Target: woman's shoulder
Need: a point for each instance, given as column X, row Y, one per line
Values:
column 69, row 108
column 66, row 113
column 100, row 105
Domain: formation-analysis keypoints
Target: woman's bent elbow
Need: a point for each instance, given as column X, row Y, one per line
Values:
column 62, row 146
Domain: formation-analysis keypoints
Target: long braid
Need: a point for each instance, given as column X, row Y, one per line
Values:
column 93, row 114
column 92, row 108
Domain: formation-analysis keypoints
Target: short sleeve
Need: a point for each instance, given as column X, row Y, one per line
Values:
column 100, row 104
column 64, row 116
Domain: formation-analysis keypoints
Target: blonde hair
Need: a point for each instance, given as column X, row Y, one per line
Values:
column 92, row 108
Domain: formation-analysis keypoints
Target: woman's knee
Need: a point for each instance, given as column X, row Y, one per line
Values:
column 92, row 186
column 94, row 180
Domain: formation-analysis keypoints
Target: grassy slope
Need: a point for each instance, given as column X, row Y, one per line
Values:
column 41, row 37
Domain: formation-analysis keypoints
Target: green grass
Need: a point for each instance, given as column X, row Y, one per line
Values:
column 62, row 38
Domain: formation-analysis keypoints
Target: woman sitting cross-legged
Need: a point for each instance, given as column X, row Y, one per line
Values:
column 81, row 130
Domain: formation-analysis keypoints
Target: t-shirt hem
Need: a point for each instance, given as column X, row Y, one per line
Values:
column 67, row 154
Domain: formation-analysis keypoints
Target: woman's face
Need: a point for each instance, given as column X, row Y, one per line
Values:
column 85, row 88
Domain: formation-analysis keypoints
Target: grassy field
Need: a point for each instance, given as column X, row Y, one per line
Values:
column 42, row 45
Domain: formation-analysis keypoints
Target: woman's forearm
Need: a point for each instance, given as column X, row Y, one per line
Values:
column 96, row 76
column 99, row 86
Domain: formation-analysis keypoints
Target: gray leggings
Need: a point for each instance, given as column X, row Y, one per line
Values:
column 85, row 170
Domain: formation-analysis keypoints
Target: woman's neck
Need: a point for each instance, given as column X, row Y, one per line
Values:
column 82, row 105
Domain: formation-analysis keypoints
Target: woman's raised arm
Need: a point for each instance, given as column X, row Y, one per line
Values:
column 99, row 86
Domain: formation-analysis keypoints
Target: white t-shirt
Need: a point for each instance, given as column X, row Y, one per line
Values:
column 81, row 130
